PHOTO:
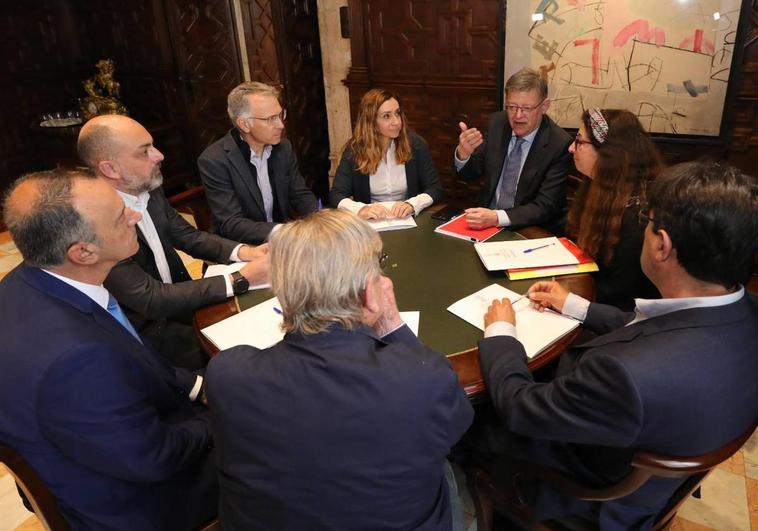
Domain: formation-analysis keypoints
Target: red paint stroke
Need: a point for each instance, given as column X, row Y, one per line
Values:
column 685, row 44
column 641, row 29
column 698, row 46
column 595, row 57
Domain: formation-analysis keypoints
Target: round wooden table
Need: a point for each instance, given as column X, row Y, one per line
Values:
column 431, row 271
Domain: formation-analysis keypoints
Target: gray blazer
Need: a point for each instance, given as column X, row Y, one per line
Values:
column 541, row 192
column 233, row 194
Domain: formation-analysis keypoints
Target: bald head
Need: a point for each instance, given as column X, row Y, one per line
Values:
column 43, row 220
column 121, row 150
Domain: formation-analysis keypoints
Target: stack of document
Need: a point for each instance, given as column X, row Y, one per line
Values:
column 586, row 265
column 380, row 225
column 540, row 252
column 534, row 329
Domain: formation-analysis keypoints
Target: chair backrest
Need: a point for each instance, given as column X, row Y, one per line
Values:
column 43, row 502
column 193, row 202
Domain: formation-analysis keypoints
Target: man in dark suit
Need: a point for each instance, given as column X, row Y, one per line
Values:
column 250, row 175
column 524, row 160
column 153, row 285
column 113, row 430
column 345, row 424
column 676, row 377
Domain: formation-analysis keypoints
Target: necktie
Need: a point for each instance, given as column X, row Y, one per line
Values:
column 115, row 310
column 509, row 177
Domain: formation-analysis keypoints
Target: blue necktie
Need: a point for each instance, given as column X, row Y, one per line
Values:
column 115, row 310
column 506, row 196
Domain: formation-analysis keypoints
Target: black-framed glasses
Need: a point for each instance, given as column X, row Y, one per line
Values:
column 644, row 217
column 383, row 260
column 271, row 120
column 578, row 140
column 525, row 109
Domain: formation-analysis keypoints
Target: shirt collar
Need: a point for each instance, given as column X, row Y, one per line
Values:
column 97, row 293
column 138, row 202
column 244, row 147
column 648, row 308
column 528, row 139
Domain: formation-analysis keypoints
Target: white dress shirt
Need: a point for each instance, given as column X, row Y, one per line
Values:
column 389, row 183
column 264, row 184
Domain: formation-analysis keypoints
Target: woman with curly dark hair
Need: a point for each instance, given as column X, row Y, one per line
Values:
column 619, row 159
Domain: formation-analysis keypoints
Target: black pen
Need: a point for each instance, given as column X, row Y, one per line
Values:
column 535, row 248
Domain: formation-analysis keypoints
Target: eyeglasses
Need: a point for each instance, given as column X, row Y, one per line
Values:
column 271, row 120
column 579, row 140
column 383, row 260
column 644, row 217
column 525, row 109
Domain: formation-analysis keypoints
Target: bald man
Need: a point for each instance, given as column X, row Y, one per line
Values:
column 153, row 286
column 114, row 431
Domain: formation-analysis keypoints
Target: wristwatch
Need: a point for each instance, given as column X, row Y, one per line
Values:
column 240, row 284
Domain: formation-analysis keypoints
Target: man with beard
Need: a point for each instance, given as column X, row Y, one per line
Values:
column 153, row 286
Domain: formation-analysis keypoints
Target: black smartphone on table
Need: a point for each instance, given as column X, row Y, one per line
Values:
column 446, row 213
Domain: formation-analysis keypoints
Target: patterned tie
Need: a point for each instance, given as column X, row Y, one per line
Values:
column 509, row 177
column 115, row 310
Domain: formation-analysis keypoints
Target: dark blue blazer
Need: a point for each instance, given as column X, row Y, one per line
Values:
column 681, row 383
column 104, row 421
column 338, row 430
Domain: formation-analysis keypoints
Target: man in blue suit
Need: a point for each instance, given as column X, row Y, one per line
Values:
column 676, row 377
column 345, row 424
column 113, row 430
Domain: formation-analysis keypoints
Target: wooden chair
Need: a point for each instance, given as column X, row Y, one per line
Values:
column 488, row 494
column 192, row 201
column 44, row 504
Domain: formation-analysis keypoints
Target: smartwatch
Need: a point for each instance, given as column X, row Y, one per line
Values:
column 240, row 284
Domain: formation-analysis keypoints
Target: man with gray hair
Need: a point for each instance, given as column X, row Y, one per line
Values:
column 115, row 433
column 345, row 424
column 250, row 175
column 524, row 160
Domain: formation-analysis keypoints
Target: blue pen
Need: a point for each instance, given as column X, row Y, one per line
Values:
column 277, row 310
column 319, row 204
column 540, row 247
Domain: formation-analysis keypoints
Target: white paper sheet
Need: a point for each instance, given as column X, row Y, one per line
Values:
column 539, row 252
column 258, row 326
column 536, row 330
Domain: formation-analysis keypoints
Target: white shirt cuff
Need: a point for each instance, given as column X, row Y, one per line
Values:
column 350, row 205
column 419, row 202
column 196, row 388
column 576, row 307
column 502, row 219
column 500, row 328
column 229, row 289
column 235, row 257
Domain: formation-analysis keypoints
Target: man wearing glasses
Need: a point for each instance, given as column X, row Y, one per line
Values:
column 524, row 160
column 251, row 176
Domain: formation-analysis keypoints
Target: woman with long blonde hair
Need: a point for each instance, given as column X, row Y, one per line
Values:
column 386, row 170
column 616, row 154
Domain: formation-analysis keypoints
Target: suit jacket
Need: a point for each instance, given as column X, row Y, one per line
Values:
column 153, row 306
column 104, row 421
column 233, row 195
column 420, row 175
column 541, row 191
column 338, row 430
column 662, row 384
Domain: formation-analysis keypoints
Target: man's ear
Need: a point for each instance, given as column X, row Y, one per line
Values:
column 664, row 245
column 108, row 169
column 83, row 253
column 371, row 302
column 545, row 105
column 241, row 124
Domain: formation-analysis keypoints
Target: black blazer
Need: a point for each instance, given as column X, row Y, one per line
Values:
column 663, row 384
column 136, row 283
column 337, row 430
column 541, row 192
column 420, row 176
column 233, row 195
